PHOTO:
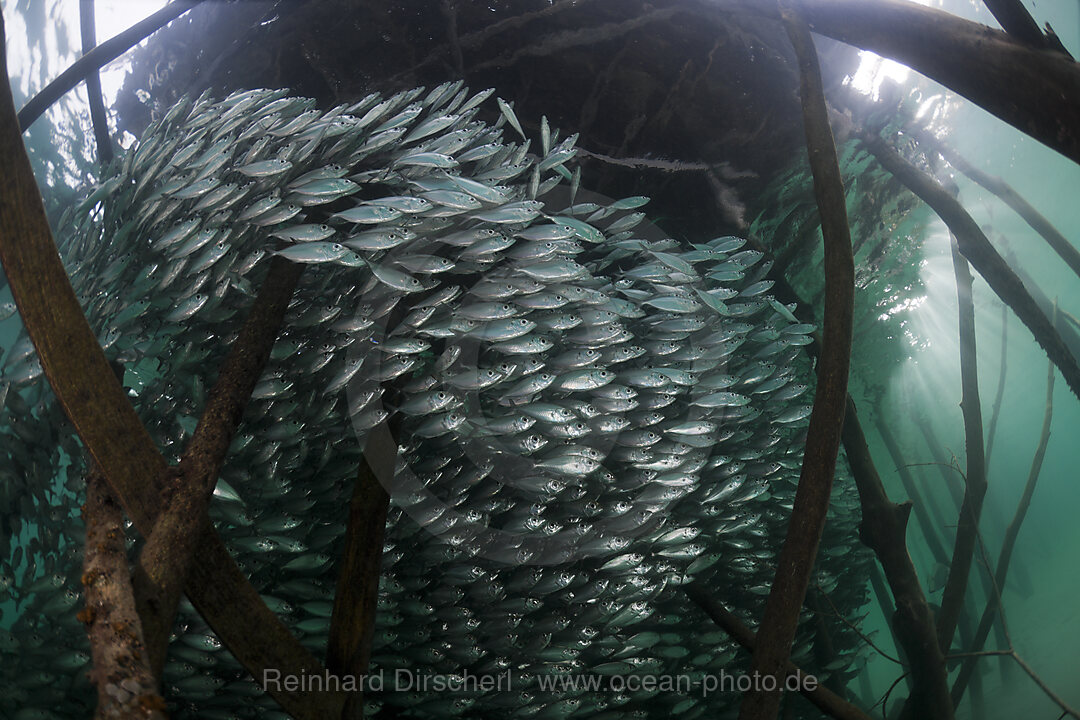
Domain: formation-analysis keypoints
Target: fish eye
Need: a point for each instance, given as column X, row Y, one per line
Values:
column 324, row 227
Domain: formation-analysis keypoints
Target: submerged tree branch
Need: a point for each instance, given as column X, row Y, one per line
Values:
column 1004, row 192
column 796, row 558
column 995, row 411
column 883, row 529
column 1035, row 91
column 126, row 686
column 166, row 558
column 102, row 414
column 975, row 246
column 101, row 55
column 824, row 699
column 1008, row 543
column 1015, row 19
column 352, row 623
column 918, row 503
column 93, row 85
column 952, row 600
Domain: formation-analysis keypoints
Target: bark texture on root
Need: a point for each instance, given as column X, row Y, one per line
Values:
column 166, row 559
column 102, row 414
column 126, row 686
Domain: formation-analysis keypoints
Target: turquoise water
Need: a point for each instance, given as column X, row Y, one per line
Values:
column 915, row 379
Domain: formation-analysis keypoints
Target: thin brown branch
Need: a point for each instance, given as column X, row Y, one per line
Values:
column 884, row 702
column 865, row 638
column 796, row 558
column 1054, row 697
column 126, row 686
column 883, row 529
column 824, row 699
column 166, row 559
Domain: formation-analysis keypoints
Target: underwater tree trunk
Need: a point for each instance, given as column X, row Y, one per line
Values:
column 101, row 55
column 824, row 699
column 352, row 622
column 883, row 529
column 166, row 558
column 952, row 600
column 795, row 561
column 974, row 245
column 93, row 85
column 75, row 366
column 126, row 686
column 1007, row 545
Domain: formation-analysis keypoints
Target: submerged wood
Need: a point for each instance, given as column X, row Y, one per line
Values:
column 919, row 505
column 1005, row 192
column 967, row 529
column 126, row 686
column 1007, row 545
column 101, row 55
column 974, row 245
column 995, row 410
column 93, row 85
column 883, row 529
column 1035, row 91
column 102, row 414
column 166, row 558
column 795, row 561
column 352, row 623
column 1015, row 19
column 824, row 699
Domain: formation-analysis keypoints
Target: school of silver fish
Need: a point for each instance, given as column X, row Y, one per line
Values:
column 590, row 414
